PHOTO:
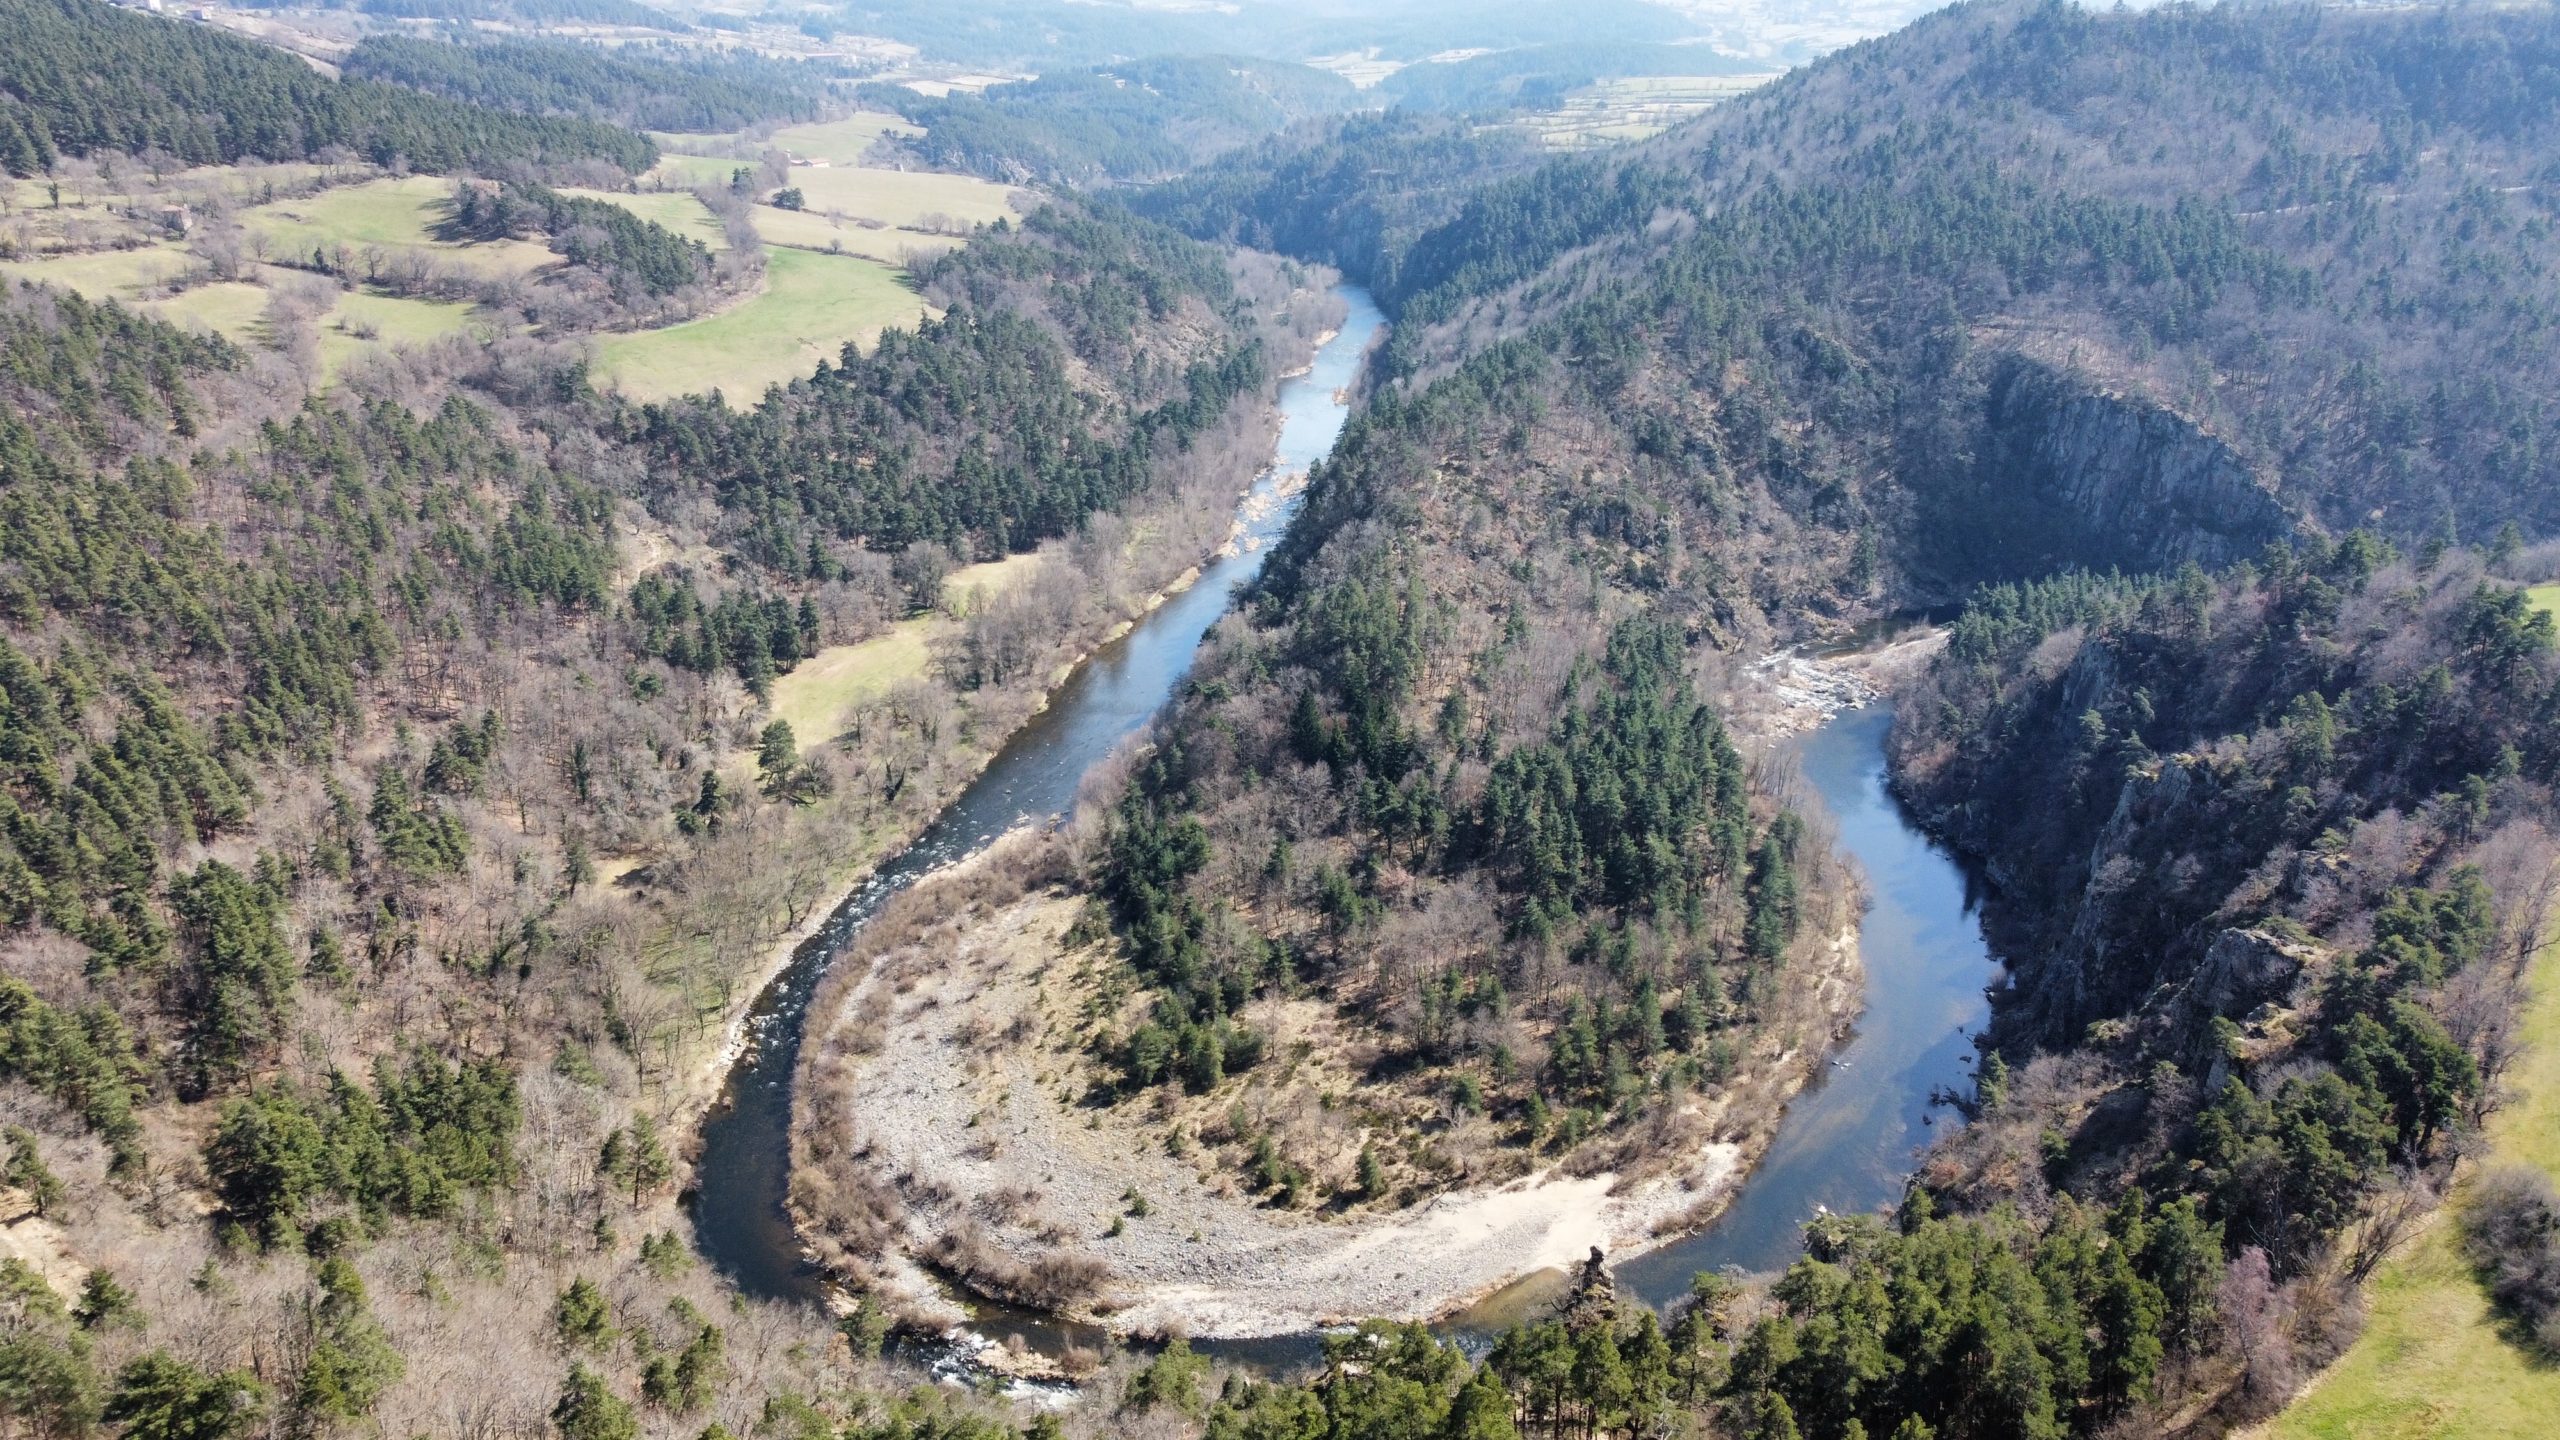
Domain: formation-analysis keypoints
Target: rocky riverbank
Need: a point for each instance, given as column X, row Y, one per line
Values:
column 947, row 1097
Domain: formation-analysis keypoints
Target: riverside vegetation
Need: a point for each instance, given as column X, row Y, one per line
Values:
column 390, row 794
column 394, row 817
column 1904, row 323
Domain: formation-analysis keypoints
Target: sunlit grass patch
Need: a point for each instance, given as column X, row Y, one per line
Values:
column 810, row 307
column 392, row 214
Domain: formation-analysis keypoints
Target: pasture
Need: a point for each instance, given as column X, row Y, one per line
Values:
column 906, row 199
column 392, row 215
column 810, row 307
column 808, row 230
column 677, row 210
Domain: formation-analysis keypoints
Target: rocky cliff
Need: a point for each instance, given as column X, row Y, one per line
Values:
column 2065, row 474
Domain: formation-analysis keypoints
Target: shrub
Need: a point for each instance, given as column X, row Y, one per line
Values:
column 2511, row 1235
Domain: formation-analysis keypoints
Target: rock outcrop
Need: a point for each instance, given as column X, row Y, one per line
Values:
column 2112, row 480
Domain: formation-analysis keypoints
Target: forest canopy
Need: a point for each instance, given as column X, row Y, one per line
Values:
column 78, row 76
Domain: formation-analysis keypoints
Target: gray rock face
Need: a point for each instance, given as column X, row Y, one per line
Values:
column 2142, row 487
column 2242, row 970
column 2114, row 951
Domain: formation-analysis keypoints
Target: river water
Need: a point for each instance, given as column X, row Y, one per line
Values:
column 1846, row 1143
column 1849, row 1137
column 739, row 1222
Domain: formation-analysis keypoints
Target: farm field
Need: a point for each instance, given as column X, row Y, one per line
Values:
column 805, row 230
column 812, row 304
column 810, row 308
column 234, row 309
column 680, row 211
column 838, row 142
column 905, row 198
column 127, row 185
column 124, row 275
column 1635, row 107
column 691, row 170
column 78, row 209
column 363, row 321
column 843, row 142
column 392, row 213
column 1363, row 68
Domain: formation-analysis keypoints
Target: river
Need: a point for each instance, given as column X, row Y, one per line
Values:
column 1848, row 1139
column 1846, row 1143
column 740, row 1225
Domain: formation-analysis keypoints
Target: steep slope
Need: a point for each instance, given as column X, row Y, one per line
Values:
column 78, row 76
column 390, row 824
column 2022, row 289
column 2302, row 253
column 1133, row 120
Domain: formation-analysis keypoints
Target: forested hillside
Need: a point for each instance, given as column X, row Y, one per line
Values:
column 2328, row 772
column 602, row 236
column 79, row 75
column 392, row 809
column 398, row 807
column 531, row 12
column 1541, row 76
column 644, row 89
column 1355, row 193
column 972, row 434
column 1132, row 120
column 1457, row 770
column 2241, row 264
column 1037, row 36
column 2024, row 291
column 2273, row 930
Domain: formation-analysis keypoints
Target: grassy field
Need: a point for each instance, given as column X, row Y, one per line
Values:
column 820, row 689
column 841, row 142
column 677, row 210
column 234, row 309
column 396, row 214
column 803, row 230
column 134, row 277
column 689, row 170
column 810, row 307
column 873, row 212
column 105, row 274
column 905, row 197
column 2432, row 1361
column 2545, row 597
column 830, row 279
column 1362, row 68
column 362, row 322
column 95, row 211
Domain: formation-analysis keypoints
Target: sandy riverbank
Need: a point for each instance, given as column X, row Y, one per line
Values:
column 958, row 1099
column 963, row 1105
